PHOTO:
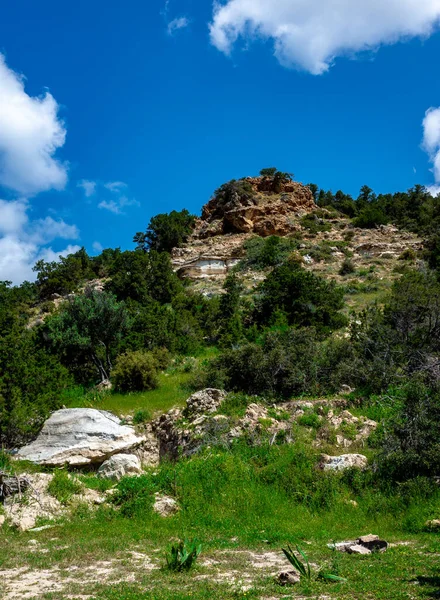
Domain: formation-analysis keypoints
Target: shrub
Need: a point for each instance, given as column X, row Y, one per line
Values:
column 183, row 555
column 63, row 487
column 411, row 445
column 347, row 267
column 135, row 372
column 370, row 217
column 310, row 420
column 314, row 224
column 408, row 254
column 141, row 416
column 306, row 299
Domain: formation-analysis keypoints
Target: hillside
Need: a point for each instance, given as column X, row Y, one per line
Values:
column 263, row 376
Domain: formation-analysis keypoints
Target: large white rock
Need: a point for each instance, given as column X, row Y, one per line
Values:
column 79, row 436
column 119, row 465
column 345, row 461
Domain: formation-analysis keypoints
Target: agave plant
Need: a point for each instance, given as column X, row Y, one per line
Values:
column 302, row 567
column 183, row 555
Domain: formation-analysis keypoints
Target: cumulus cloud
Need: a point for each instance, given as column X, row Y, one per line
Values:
column 115, row 186
column 88, row 186
column 24, row 241
column 310, row 34
column 176, row 24
column 97, row 247
column 30, row 135
column 117, row 206
column 431, row 144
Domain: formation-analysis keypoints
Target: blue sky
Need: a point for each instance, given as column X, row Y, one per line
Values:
column 165, row 101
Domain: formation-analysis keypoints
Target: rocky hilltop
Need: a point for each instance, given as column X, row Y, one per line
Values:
column 256, row 205
column 251, row 206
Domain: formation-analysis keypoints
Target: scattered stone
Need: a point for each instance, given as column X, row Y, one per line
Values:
column 373, row 543
column 433, row 524
column 365, row 544
column 204, row 402
column 79, row 436
column 42, row 528
column 36, row 503
column 104, row 386
column 165, row 506
column 2, row 520
column 345, row 461
column 120, row 465
column 358, row 549
column 288, row 578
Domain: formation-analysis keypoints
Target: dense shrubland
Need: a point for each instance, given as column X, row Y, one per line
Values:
column 289, row 337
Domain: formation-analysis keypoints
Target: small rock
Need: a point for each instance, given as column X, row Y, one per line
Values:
column 373, row 543
column 288, row 578
column 2, row 520
column 433, row 524
column 358, row 549
column 32, row 543
column 165, row 506
column 345, row 461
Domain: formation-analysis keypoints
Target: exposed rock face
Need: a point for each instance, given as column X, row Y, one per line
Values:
column 80, row 436
column 266, row 212
column 216, row 244
column 345, row 461
column 120, row 465
column 204, row 402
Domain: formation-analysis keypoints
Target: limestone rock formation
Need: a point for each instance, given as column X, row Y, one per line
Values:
column 216, row 244
column 265, row 211
column 345, row 461
column 80, row 436
column 119, row 465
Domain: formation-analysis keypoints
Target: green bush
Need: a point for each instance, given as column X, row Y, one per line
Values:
column 135, row 372
column 182, row 556
column 141, row 416
column 347, row 267
column 310, row 419
column 306, row 299
column 369, row 217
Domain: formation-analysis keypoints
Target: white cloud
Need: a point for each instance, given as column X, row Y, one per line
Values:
column 117, row 206
column 431, row 144
column 23, row 241
column 97, row 247
column 176, row 24
column 310, row 34
column 110, row 205
column 115, row 186
column 88, row 186
column 30, row 134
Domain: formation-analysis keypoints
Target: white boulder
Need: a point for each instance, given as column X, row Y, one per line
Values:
column 119, row 465
column 79, row 436
column 345, row 461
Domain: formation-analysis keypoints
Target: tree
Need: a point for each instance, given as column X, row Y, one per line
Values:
column 90, row 326
column 306, row 299
column 166, row 231
column 63, row 276
column 229, row 311
column 268, row 172
column 140, row 276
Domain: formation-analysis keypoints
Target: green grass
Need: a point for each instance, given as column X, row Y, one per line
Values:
column 246, row 499
column 172, row 391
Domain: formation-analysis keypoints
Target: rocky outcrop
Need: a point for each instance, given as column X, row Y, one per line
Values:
column 204, row 402
column 265, row 211
column 345, row 461
column 119, row 465
column 80, row 436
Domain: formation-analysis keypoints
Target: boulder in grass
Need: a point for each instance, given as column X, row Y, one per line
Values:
column 119, row 465
column 78, row 437
column 345, row 461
